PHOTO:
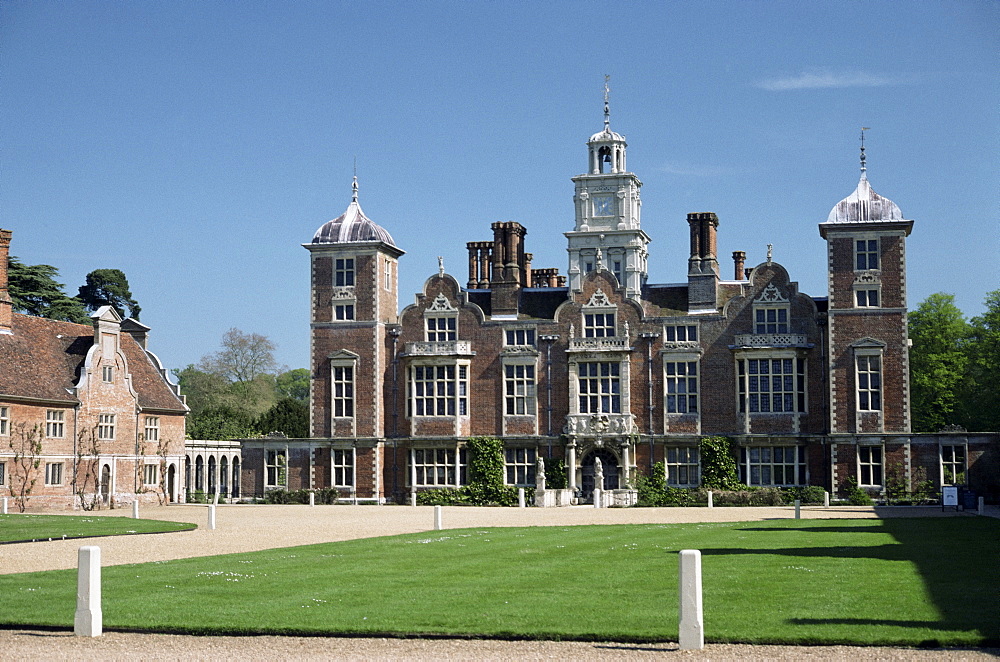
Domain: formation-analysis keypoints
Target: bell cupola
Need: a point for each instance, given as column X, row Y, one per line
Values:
column 607, row 234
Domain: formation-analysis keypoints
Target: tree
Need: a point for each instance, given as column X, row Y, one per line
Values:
column 109, row 287
column 288, row 416
column 294, row 384
column 244, row 357
column 35, row 291
column 980, row 399
column 221, row 422
column 938, row 361
column 201, row 389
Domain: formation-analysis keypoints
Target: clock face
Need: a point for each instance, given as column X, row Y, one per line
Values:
column 602, row 205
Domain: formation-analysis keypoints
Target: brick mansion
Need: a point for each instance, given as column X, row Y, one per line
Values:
column 601, row 364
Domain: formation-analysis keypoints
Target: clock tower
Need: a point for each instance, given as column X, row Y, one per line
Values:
column 607, row 235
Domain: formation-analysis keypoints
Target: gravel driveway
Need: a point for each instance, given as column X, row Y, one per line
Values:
column 242, row 528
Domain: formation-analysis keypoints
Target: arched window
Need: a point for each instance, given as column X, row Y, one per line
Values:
column 224, row 476
column 199, row 474
column 212, row 483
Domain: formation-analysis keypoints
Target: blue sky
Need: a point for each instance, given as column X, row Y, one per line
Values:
column 196, row 145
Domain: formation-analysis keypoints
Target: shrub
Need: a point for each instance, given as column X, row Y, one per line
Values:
column 812, row 494
column 555, row 473
column 855, row 495
column 747, row 496
column 718, row 464
column 654, row 491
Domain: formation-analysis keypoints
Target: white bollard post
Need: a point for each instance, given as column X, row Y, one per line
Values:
column 312, row 498
column 88, row 620
column 711, row 500
column 211, row 516
column 692, row 623
column 413, row 499
column 982, row 505
column 520, row 497
column 798, row 509
column 437, row 518
column 135, row 509
column 5, row 505
column 826, row 499
column 597, row 497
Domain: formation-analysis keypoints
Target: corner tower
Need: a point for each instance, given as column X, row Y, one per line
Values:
column 354, row 300
column 607, row 234
column 867, row 337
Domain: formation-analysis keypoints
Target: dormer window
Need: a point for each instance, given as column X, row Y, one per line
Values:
column 771, row 320
column 441, row 320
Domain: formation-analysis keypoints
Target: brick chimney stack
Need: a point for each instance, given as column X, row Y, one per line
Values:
column 739, row 259
column 703, row 267
column 6, row 304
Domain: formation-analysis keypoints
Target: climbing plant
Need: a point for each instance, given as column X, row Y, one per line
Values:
column 718, row 464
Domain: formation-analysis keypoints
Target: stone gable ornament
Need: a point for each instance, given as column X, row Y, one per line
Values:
column 441, row 304
column 771, row 295
column 599, row 300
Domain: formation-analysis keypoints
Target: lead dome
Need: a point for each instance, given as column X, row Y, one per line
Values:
column 352, row 226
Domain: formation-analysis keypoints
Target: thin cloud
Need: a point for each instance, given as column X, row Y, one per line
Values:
column 692, row 170
column 827, row 80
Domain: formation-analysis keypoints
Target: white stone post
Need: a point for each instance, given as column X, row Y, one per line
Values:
column 312, row 498
column 437, row 518
column 711, row 499
column 692, row 624
column 571, row 466
column 520, row 497
column 135, row 509
column 211, row 516
column 981, row 505
column 597, row 497
column 5, row 505
column 413, row 499
column 826, row 499
column 798, row 509
column 88, row 620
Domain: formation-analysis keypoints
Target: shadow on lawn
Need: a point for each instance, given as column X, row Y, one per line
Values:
column 955, row 558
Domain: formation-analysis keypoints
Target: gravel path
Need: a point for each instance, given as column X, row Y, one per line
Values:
column 248, row 528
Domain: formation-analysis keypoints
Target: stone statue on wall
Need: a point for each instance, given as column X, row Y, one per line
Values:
column 540, row 475
column 598, row 474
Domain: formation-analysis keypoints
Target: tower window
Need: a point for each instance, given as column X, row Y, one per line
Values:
column 344, row 312
column 343, row 391
column 866, row 254
column 866, row 298
column 343, row 275
column 869, row 383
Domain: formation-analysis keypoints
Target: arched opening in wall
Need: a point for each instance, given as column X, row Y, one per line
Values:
column 171, row 483
column 609, row 466
column 604, row 157
column 187, row 474
column 212, row 483
column 106, row 484
column 236, row 477
column 224, row 476
column 199, row 474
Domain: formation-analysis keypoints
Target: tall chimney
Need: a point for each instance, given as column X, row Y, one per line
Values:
column 703, row 267
column 739, row 259
column 6, row 304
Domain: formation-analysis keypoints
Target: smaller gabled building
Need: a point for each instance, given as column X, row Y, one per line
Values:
column 88, row 415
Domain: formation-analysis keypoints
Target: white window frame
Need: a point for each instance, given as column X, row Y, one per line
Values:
column 867, row 296
column 438, row 467
column 342, row 463
column 520, row 464
column 604, row 388
column 680, row 465
column 4, row 423
column 275, row 468
column 387, row 275
column 764, row 325
column 680, row 385
column 441, row 328
column 150, row 470
column 954, row 463
column 600, row 323
column 868, row 461
column 55, row 423
column 3, row 473
column 152, row 428
column 519, row 388
column 108, row 374
column 343, row 312
column 444, row 387
column 342, row 390
column 54, row 473
column 680, row 333
column 343, row 272
column 867, row 258
column 864, row 388
column 520, row 337
column 106, row 427
column 761, row 464
column 745, row 379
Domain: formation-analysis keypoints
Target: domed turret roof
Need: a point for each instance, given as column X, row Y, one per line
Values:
column 864, row 206
column 607, row 135
column 352, row 226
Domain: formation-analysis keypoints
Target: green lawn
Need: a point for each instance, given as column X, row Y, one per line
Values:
column 44, row 527
column 896, row 581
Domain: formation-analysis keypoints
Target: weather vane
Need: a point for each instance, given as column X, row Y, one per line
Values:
column 770, row 248
column 863, row 129
column 607, row 108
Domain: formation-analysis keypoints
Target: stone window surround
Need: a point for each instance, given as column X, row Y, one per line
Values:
column 771, row 354
column 4, row 423
column 680, row 462
column 953, row 463
column 55, row 423
column 520, row 471
column 276, row 468
column 343, row 272
column 449, row 466
column 460, row 395
column 150, row 474
column 872, row 461
column 106, row 427
column 152, row 428
column 338, row 362
column 797, row 465
column 529, row 395
column 53, row 473
column 343, row 467
column 675, row 358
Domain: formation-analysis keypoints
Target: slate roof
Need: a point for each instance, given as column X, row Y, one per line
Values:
column 42, row 359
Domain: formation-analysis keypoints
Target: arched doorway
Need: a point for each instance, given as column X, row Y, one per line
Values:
column 224, row 476
column 609, row 464
column 171, row 478
column 236, row 477
column 106, row 483
column 212, row 484
column 199, row 474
